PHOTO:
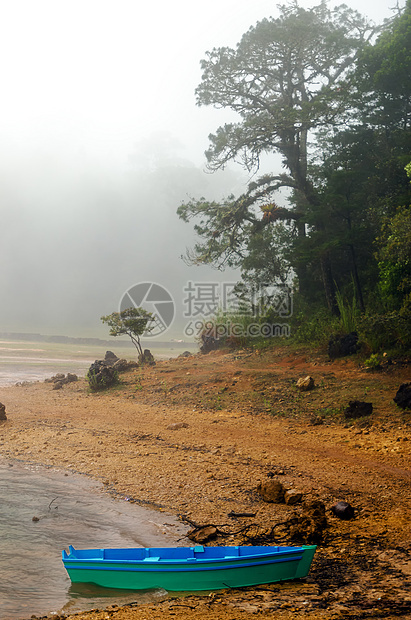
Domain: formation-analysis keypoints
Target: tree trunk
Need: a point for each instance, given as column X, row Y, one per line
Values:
column 356, row 279
column 328, row 282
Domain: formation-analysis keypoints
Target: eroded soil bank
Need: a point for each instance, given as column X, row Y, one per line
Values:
column 195, row 436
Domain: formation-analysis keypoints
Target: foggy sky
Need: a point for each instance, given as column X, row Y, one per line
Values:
column 100, row 141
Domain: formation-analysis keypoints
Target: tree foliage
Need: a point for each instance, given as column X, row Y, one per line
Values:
column 330, row 93
column 132, row 322
column 285, row 79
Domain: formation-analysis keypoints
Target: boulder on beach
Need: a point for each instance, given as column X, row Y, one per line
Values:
column 185, row 354
column 271, row 491
column 3, row 416
column 403, row 396
column 357, row 409
column 147, row 358
column 101, row 376
column 305, row 383
column 343, row 510
column 62, row 379
column 202, row 534
column 122, row 365
column 111, row 358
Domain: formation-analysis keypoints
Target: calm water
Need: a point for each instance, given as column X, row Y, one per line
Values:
column 35, row 361
column 71, row 510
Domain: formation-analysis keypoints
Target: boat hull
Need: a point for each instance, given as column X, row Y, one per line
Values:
column 236, row 567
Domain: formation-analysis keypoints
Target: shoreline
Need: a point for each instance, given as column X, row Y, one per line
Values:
column 145, row 443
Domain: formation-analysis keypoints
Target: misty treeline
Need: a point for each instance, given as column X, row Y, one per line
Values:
column 330, row 93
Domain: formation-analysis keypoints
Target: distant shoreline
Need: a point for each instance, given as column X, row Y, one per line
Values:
column 34, row 337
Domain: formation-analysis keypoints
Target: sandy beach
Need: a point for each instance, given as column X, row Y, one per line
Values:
column 195, row 436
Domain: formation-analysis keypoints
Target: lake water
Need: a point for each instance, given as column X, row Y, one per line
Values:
column 35, row 361
column 70, row 510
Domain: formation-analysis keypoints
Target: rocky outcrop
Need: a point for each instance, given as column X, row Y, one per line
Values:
column 110, row 358
column 357, row 409
column 3, row 416
column 403, row 396
column 147, row 358
column 123, row 365
column 60, row 379
column 340, row 346
column 101, row 376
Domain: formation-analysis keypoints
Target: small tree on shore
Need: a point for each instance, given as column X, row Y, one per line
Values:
column 132, row 322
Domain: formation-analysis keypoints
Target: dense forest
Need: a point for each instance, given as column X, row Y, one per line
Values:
column 329, row 93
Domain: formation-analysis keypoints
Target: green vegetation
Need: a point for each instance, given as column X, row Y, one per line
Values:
column 100, row 381
column 330, row 93
column 132, row 322
column 373, row 361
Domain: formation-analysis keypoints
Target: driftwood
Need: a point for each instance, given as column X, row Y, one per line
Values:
column 251, row 533
column 308, row 528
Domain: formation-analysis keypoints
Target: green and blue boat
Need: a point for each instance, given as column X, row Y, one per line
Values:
column 187, row 568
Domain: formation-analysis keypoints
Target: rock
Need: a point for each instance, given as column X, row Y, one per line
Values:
column 101, row 376
column 55, row 378
column 403, row 396
column 176, row 426
column 209, row 343
column 146, row 358
column 343, row 510
column 340, row 346
column 59, row 380
column 110, row 358
column 3, row 416
column 71, row 378
column 202, row 534
column 357, row 409
column 309, row 527
column 292, row 497
column 305, row 384
column 271, row 491
column 185, row 354
column 316, row 420
column 122, row 365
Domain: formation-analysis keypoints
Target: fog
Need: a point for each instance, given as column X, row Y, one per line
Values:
column 100, row 141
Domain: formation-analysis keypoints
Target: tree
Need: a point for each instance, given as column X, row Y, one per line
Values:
column 132, row 322
column 384, row 71
column 360, row 171
column 285, row 79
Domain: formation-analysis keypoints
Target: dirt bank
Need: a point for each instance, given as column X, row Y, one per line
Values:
column 194, row 436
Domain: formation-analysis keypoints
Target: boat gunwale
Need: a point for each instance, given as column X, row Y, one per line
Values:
column 286, row 552
column 181, row 568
